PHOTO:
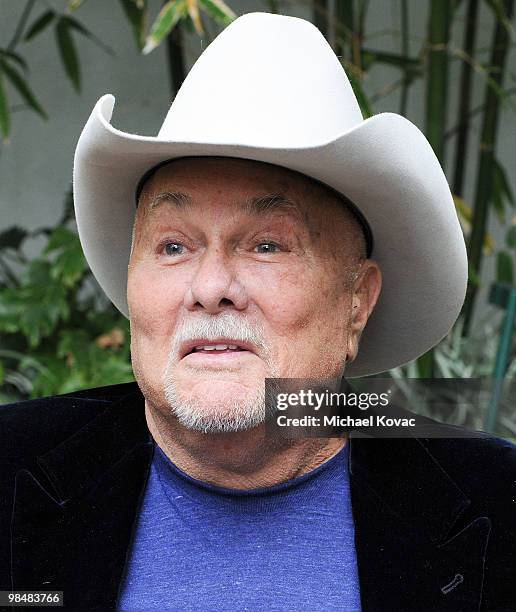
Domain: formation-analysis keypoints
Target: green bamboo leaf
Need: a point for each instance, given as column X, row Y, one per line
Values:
column 363, row 101
column 193, row 12
column 136, row 13
column 23, row 89
column 463, row 208
column 73, row 5
column 465, row 214
column 504, row 182
column 77, row 25
column 169, row 16
column 188, row 26
column 473, row 277
column 5, row 119
column 500, row 15
column 15, row 58
column 504, row 268
column 487, row 73
column 219, row 11
column 497, row 199
column 501, row 193
column 68, row 53
column 40, row 24
column 12, row 237
column 411, row 66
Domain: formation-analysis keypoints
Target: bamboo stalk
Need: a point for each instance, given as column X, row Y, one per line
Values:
column 436, row 105
column 320, row 16
column 404, row 53
column 344, row 28
column 176, row 61
column 437, row 76
column 465, row 98
column 358, row 28
column 499, row 49
column 20, row 27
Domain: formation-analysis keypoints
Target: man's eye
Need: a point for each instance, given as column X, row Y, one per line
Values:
column 174, row 248
column 267, row 247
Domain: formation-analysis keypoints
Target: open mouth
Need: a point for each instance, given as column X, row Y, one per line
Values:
column 214, row 348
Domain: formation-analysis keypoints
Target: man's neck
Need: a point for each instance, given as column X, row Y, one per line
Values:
column 239, row 460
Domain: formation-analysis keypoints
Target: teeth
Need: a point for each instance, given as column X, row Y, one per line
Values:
column 216, row 347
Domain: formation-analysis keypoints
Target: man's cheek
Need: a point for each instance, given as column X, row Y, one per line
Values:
column 283, row 293
column 153, row 301
column 144, row 315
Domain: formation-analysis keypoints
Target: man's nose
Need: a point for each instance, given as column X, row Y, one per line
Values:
column 214, row 286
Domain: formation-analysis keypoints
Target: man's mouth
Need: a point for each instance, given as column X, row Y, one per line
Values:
column 215, row 348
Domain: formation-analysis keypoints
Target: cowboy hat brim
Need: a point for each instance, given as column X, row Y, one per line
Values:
column 384, row 165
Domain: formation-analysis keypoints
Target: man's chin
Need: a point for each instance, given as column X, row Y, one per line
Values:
column 217, row 406
column 218, row 420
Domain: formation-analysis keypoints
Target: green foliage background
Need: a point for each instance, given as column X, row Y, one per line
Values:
column 57, row 335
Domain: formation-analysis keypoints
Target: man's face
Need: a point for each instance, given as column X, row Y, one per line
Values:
column 240, row 271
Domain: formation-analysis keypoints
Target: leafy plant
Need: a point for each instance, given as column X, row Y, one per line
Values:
column 466, row 357
column 175, row 11
column 14, row 70
column 57, row 334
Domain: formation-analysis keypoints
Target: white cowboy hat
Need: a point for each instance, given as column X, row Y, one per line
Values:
column 270, row 88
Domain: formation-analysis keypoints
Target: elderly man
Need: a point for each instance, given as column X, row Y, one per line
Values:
column 274, row 233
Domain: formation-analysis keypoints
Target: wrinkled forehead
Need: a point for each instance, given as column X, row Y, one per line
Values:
column 222, row 188
column 224, row 175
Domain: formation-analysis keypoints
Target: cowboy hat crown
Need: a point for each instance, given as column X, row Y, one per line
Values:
column 294, row 92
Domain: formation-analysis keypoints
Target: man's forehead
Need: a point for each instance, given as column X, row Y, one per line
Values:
column 253, row 187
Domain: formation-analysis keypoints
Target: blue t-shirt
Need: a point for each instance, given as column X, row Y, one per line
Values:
column 202, row 547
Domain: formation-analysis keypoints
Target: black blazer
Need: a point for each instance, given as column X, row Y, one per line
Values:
column 435, row 519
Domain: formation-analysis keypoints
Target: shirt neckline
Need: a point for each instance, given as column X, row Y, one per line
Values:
column 167, row 467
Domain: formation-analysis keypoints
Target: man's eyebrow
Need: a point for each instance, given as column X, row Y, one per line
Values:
column 270, row 203
column 176, row 198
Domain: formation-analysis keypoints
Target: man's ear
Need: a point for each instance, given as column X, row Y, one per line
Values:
column 366, row 290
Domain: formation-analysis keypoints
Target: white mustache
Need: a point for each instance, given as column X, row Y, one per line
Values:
column 224, row 325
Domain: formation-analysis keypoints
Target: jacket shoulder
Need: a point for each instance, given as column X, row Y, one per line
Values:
column 478, row 462
column 30, row 428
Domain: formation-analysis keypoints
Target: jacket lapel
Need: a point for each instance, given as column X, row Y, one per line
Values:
column 417, row 545
column 74, row 516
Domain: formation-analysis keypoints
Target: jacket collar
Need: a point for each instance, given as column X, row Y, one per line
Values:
column 100, row 445
column 77, row 511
